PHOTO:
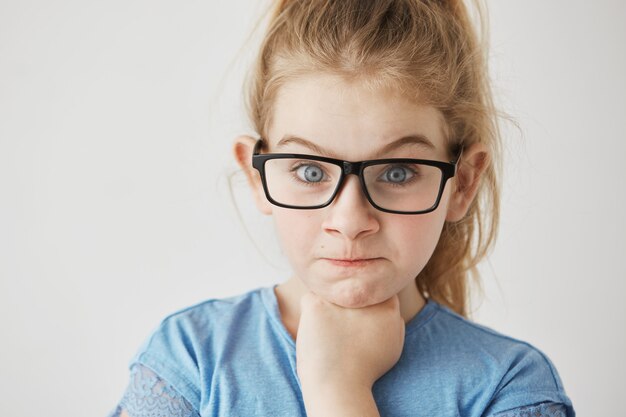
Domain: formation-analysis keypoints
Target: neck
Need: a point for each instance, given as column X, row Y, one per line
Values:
column 289, row 293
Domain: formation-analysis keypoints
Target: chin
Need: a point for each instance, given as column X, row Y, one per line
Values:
column 351, row 295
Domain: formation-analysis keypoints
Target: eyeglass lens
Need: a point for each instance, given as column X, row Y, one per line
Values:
column 393, row 186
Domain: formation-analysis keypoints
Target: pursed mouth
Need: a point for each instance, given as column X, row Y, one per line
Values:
column 352, row 262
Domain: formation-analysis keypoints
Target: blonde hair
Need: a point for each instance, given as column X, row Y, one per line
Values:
column 428, row 50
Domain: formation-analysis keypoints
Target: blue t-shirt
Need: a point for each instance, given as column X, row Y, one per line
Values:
column 234, row 357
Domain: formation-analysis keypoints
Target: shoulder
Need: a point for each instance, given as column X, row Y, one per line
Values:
column 182, row 346
column 200, row 321
column 518, row 373
column 214, row 312
column 465, row 335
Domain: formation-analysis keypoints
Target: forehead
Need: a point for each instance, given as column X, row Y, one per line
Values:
column 349, row 119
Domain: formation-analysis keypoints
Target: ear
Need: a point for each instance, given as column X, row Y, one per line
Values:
column 243, row 147
column 473, row 163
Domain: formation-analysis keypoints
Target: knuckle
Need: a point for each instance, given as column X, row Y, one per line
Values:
column 309, row 300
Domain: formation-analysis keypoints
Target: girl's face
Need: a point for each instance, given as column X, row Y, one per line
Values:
column 348, row 122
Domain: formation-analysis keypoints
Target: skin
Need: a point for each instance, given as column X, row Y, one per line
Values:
column 338, row 315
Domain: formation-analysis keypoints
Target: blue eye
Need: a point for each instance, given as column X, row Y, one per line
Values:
column 398, row 174
column 309, row 173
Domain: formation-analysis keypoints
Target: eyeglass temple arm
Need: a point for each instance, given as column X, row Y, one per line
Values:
column 458, row 157
column 257, row 147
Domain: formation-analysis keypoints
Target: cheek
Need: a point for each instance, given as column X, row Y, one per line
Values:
column 415, row 238
column 297, row 231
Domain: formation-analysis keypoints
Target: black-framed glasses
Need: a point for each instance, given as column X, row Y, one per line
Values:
column 393, row 185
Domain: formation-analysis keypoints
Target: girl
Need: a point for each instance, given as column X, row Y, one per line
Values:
column 377, row 157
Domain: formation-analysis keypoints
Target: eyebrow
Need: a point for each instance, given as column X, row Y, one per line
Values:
column 414, row 139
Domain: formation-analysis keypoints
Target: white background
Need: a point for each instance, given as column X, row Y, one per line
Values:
column 116, row 123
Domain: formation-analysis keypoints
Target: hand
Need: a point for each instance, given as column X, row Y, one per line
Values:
column 347, row 347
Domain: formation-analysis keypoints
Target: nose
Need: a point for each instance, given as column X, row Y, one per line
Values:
column 351, row 214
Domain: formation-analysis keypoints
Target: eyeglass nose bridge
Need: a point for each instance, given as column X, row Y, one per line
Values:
column 351, row 168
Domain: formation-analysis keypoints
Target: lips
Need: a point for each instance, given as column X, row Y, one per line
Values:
column 354, row 262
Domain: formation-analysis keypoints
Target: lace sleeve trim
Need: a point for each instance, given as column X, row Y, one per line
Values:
column 147, row 395
column 547, row 409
